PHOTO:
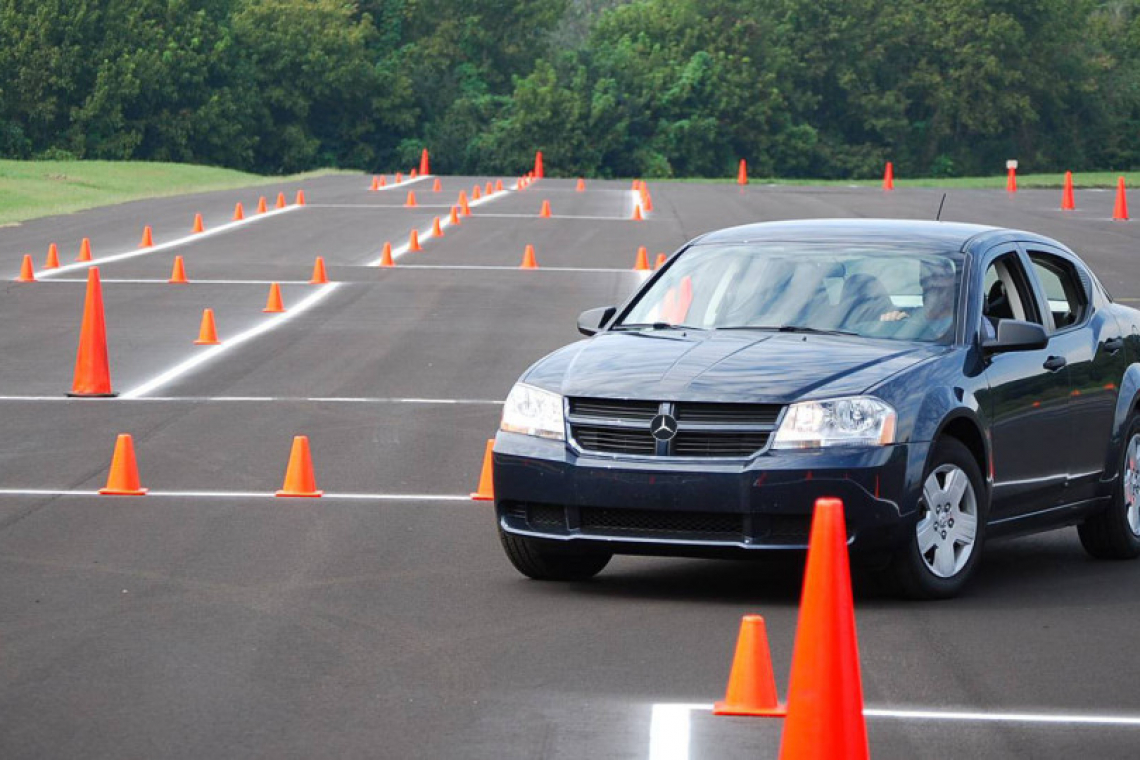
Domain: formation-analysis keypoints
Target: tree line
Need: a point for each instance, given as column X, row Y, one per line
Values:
column 653, row 88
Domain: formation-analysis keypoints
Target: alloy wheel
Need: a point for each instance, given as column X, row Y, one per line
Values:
column 948, row 526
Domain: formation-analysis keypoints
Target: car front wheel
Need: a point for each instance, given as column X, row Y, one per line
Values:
column 544, row 561
column 1115, row 532
column 946, row 543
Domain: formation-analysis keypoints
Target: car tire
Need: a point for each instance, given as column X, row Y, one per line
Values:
column 541, row 561
column 1115, row 532
column 941, row 553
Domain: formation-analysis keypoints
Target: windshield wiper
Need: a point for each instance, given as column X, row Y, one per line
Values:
column 653, row 326
column 790, row 329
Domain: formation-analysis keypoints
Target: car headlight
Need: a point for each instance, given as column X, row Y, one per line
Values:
column 855, row 421
column 533, row 411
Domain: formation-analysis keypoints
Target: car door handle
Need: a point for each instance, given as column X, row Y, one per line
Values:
column 1054, row 363
column 1113, row 345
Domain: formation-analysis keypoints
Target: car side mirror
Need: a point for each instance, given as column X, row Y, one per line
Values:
column 1016, row 335
column 593, row 320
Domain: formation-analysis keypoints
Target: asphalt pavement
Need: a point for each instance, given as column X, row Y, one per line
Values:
column 209, row 619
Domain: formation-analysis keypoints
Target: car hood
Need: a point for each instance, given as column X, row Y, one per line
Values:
column 746, row 366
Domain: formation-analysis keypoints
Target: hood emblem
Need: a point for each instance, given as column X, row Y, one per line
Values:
column 663, row 427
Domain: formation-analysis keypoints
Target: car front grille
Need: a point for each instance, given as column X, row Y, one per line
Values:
column 647, row 522
column 704, row 430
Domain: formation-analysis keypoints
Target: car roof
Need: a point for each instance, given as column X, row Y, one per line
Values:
column 928, row 234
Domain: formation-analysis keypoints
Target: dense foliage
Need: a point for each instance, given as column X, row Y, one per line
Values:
column 817, row 88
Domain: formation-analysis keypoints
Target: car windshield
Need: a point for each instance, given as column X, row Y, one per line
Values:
column 876, row 291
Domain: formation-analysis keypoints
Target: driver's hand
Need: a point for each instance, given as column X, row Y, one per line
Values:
column 893, row 316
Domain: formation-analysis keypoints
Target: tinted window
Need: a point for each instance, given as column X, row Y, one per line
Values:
column 881, row 292
column 1066, row 295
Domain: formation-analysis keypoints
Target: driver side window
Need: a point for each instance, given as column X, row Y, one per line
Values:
column 1005, row 294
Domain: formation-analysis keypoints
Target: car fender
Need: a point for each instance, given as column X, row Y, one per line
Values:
column 1126, row 403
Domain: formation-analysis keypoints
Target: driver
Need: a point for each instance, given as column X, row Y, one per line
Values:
column 936, row 316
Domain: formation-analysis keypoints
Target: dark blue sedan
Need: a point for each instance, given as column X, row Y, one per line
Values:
column 949, row 382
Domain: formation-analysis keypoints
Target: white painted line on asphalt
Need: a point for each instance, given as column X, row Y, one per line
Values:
column 426, row 233
column 246, row 495
column 669, row 723
column 192, row 238
column 559, row 216
column 293, row 399
column 195, row 281
column 230, row 343
column 380, row 205
column 505, row 268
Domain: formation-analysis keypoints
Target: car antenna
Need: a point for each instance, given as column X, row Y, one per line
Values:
column 938, row 216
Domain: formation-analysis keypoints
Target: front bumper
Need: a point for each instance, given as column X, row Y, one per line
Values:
column 690, row 507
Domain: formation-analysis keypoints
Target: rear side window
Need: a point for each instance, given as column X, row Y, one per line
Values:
column 1068, row 302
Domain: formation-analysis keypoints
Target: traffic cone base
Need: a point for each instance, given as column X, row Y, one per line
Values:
column 299, row 479
column 751, row 683
column 274, row 304
column 486, row 490
column 27, row 271
column 208, row 332
column 178, row 272
column 123, row 477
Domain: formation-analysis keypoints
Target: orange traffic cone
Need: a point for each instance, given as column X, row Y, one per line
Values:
column 637, row 213
column 198, row 226
column 414, row 241
column 320, row 277
column 436, row 229
column 178, row 272
column 1067, row 201
column 299, row 479
column 528, row 261
column 661, row 259
column 261, row 205
column 399, row 177
column 375, row 183
column 1011, row 180
column 486, row 490
column 545, row 212
column 274, row 304
column 27, row 272
column 463, row 207
column 239, row 212
column 425, row 164
column 475, row 193
column 123, row 478
column 889, row 176
column 581, row 186
column 436, row 186
column 92, row 373
column 538, row 170
column 742, row 173
column 1120, row 210
column 382, row 183
column 84, row 250
column 207, row 332
column 498, row 186
column 642, row 264
column 454, row 218
column 386, row 256
column 751, row 684
column 280, row 200
column 411, row 201
column 300, row 198
column 147, row 238
column 488, row 188
column 825, row 695
column 412, row 174
column 52, row 257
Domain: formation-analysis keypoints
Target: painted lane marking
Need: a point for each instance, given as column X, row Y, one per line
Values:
column 425, row 234
column 560, row 216
column 196, row 281
column 215, row 351
column 247, row 495
column 193, row 237
column 516, row 268
column 293, row 399
column 669, row 724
